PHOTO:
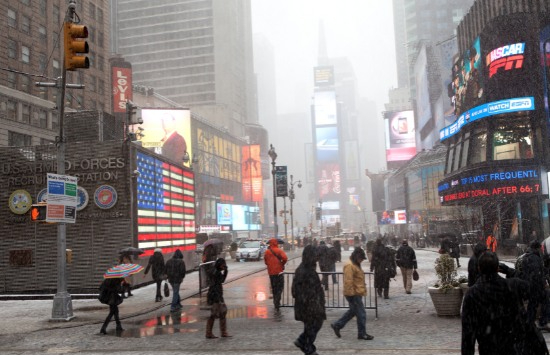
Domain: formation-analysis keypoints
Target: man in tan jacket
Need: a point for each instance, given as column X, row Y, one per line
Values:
column 354, row 291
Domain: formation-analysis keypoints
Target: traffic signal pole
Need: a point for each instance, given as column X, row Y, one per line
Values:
column 62, row 301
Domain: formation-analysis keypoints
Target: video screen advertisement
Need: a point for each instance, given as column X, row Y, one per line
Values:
column 239, row 217
column 323, row 76
column 167, row 132
column 467, row 79
column 400, row 136
column 251, row 172
column 325, row 109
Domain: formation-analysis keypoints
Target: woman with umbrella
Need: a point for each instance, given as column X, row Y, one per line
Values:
column 156, row 261
column 110, row 289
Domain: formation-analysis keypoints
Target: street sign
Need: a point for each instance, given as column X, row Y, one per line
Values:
column 62, row 198
column 281, row 181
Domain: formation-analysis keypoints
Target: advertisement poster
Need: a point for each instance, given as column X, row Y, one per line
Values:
column 400, row 136
column 327, row 144
column 251, row 172
column 281, row 181
column 167, row 132
column 325, row 108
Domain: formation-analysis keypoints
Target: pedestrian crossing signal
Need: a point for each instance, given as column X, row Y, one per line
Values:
column 38, row 213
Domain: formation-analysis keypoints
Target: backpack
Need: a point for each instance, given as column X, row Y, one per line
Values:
column 519, row 266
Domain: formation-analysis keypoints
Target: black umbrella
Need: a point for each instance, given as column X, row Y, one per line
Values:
column 131, row 251
column 212, row 241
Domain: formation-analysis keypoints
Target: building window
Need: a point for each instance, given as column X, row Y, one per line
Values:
column 11, row 107
column 25, row 24
column 100, row 17
column 18, row 139
column 55, row 14
column 26, row 2
column 43, row 7
column 56, row 68
column 44, row 141
column 42, row 33
column 56, row 39
column 79, row 102
column 465, row 148
column 456, row 159
column 91, row 58
column 12, row 80
column 26, row 114
column 43, row 93
column 25, row 83
column 100, row 87
column 12, row 18
column 12, row 49
column 100, row 39
column 478, row 148
column 100, row 61
column 512, row 140
column 55, row 122
column 68, row 100
column 91, row 34
column 42, row 63
column 43, row 119
column 92, row 85
column 25, row 54
column 92, row 11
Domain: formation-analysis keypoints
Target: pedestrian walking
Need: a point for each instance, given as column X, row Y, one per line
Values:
column 309, row 300
column 354, row 291
column 156, row 263
column 215, row 299
column 275, row 259
column 473, row 270
column 327, row 262
column 175, row 272
column 492, row 316
column 338, row 248
column 530, row 268
column 455, row 251
column 406, row 260
column 110, row 291
column 383, row 265
column 491, row 243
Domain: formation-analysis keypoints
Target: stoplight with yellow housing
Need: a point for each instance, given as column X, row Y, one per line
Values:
column 38, row 213
column 75, row 45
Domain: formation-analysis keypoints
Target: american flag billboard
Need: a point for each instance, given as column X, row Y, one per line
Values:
column 166, row 206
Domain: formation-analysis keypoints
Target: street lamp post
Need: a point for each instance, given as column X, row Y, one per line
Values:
column 291, row 197
column 273, row 157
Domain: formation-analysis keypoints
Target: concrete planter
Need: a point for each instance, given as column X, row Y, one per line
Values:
column 446, row 302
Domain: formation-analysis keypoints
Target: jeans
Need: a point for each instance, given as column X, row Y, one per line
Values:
column 356, row 309
column 175, row 296
column 277, row 286
column 307, row 338
column 159, row 283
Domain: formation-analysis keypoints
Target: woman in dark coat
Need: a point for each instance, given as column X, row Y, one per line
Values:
column 215, row 299
column 156, row 261
column 473, row 272
column 383, row 265
column 111, row 287
column 309, row 300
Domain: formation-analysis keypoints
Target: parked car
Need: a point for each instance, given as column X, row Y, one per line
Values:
column 250, row 250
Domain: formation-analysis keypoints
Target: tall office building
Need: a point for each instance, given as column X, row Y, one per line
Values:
column 196, row 53
column 417, row 22
column 30, row 35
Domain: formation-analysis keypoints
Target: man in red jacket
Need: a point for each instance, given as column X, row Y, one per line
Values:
column 275, row 259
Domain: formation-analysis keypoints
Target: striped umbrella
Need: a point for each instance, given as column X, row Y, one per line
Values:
column 122, row 270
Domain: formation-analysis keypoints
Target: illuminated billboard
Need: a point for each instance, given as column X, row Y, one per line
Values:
column 167, row 132
column 323, row 76
column 328, row 182
column 325, row 108
column 121, row 77
column 467, row 79
column 400, row 217
column 239, row 217
column 327, row 143
column 385, row 217
column 251, row 172
column 400, row 136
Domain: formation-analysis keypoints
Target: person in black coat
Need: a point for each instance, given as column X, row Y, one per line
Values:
column 309, row 301
column 383, row 265
column 492, row 314
column 531, row 269
column 175, row 271
column 406, row 260
column 156, row 261
column 473, row 271
column 215, row 299
column 338, row 248
column 327, row 262
column 112, row 288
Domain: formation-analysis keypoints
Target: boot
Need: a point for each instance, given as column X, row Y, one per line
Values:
column 119, row 327
column 223, row 328
column 386, row 293
column 209, row 326
column 379, row 291
column 104, row 327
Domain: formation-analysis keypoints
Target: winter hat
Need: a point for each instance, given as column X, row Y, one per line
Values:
column 158, row 250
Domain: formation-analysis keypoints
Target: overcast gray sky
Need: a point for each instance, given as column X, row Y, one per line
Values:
column 361, row 30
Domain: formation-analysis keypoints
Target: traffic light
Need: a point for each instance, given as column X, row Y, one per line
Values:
column 38, row 213
column 74, row 44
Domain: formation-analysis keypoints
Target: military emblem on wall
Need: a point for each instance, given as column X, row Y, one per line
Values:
column 20, row 201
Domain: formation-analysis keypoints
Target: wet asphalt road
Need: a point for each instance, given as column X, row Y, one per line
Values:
column 407, row 324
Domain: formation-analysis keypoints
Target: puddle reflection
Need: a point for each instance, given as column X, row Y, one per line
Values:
column 178, row 322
